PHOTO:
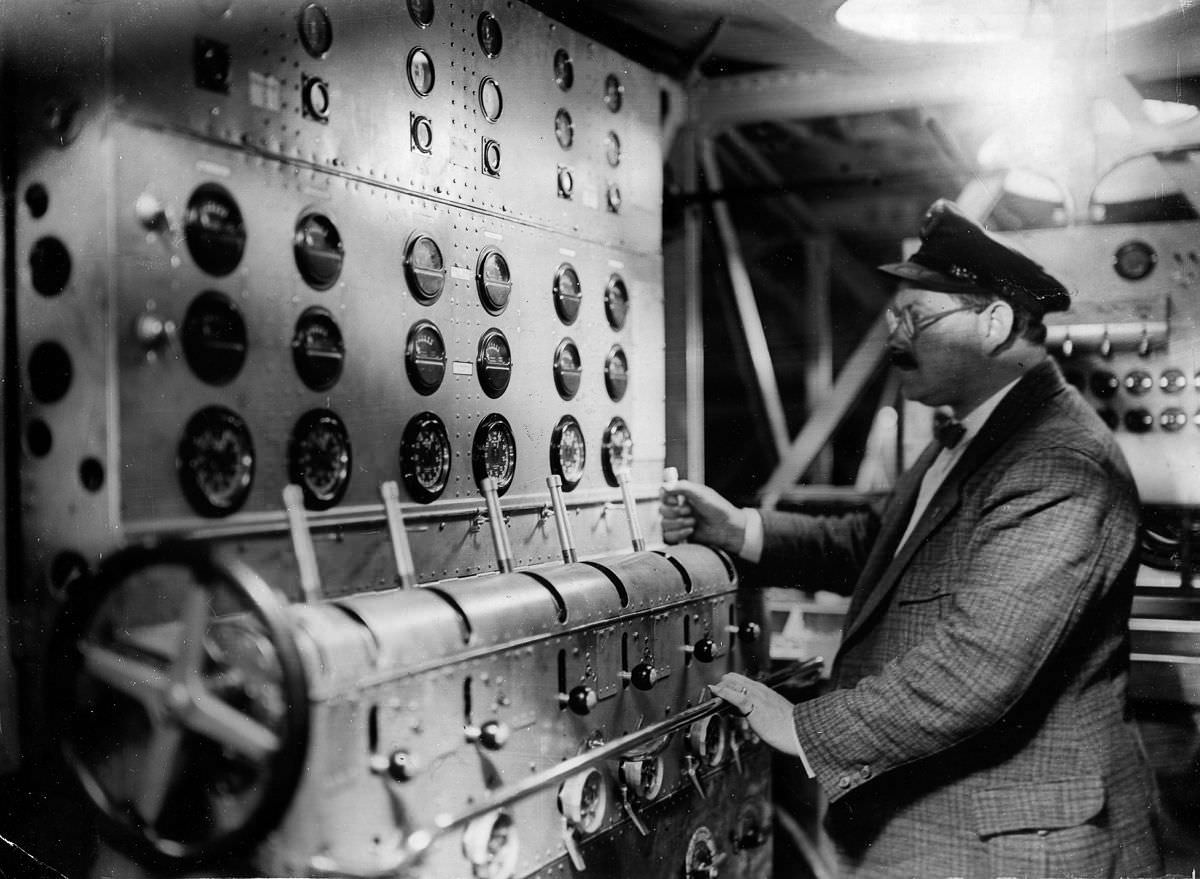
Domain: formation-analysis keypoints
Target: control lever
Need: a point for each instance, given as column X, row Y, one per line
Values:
column 561, row 524
column 496, row 522
column 691, row 766
column 671, row 474
column 627, row 805
column 406, row 571
column 635, row 526
column 302, row 544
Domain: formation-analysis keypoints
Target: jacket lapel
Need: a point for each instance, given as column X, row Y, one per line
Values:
column 885, row 565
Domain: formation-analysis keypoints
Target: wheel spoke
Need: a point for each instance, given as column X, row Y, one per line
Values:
column 136, row 679
column 190, row 657
column 158, row 771
column 211, row 717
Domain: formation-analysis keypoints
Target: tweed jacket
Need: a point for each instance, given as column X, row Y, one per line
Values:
column 977, row 723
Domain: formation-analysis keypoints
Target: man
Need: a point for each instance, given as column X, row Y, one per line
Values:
column 977, row 723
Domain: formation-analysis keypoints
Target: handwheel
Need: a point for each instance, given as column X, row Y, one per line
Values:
column 181, row 702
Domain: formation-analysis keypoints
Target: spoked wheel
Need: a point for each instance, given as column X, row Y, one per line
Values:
column 181, row 702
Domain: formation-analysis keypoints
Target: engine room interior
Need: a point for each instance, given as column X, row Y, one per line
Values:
column 347, row 346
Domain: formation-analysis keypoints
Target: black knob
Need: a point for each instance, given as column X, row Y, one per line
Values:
column 493, row 735
column 705, row 650
column 581, row 700
column 1104, row 384
column 749, row 836
column 1139, row 420
column 644, row 676
column 749, row 632
column 401, row 766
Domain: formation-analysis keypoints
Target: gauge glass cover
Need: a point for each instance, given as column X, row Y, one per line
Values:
column 612, row 149
column 215, row 461
column 568, row 452
column 494, row 452
column 614, row 92
column 494, row 362
column 317, row 247
column 491, row 38
column 564, row 70
column 616, row 302
column 616, row 450
column 318, row 352
column 568, row 369
column 421, row 12
column 420, row 72
column 564, row 129
column 425, row 357
column 616, row 373
column 491, row 101
column 319, row 458
column 424, row 269
column 214, row 338
column 568, row 295
column 316, row 30
column 493, row 281
column 425, row 457
column 213, row 230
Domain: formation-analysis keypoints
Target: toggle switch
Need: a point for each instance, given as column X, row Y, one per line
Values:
column 644, row 676
column 747, row 632
column 492, row 734
column 581, row 699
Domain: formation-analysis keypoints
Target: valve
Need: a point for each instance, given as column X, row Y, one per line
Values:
column 492, row 734
column 704, row 650
column 581, row 700
column 644, row 676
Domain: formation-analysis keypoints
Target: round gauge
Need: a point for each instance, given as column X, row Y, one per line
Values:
column 566, row 182
column 568, row 369
column 564, row 70
column 567, row 293
column 319, row 458
column 614, row 92
column 424, row 269
column 492, row 846
column 564, row 128
column 1173, row 381
column 491, row 38
column 425, row 457
column 421, row 12
column 491, row 101
column 317, row 349
column 583, row 800
column 421, row 132
column 612, row 198
column 1139, row 420
column 213, row 229
column 316, row 30
column 1134, row 260
column 616, row 450
column 494, row 452
column 493, row 363
column 616, row 302
column 491, row 158
column 1139, row 382
column 568, row 452
column 214, row 338
column 701, row 860
column 215, row 461
column 493, row 280
column 612, row 148
column 707, row 739
column 49, row 266
column 616, row 373
column 420, row 72
column 644, row 776
column 50, row 372
column 425, row 357
column 317, row 246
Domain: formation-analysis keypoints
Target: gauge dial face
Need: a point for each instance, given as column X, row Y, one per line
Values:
column 1134, row 260
column 319, row 458
column 493, row 280
column 564, row 129
column 420, row 72
column 644, row 777
column 214, row 338
column 317, row 246
column 491, row 101
column 316, row 30
column 494, row 362
column 568, row 369
column 318, row 352
column 491, row 158
column 421, row 132
column 424, row 269
column 421, row 12
column 616, row 450
column 566, row 182
column 568, row 452
column 612, row 149
column 614, row 92
column 494, row 452
column 583, row 799
column 616, row 373
column 492, row 846
column 564, row 70
column 491, row 38
column 425, row 357
column 215, row 461
column 425, row 457
column 213, row 229
column 616, row 302
column 568, row 294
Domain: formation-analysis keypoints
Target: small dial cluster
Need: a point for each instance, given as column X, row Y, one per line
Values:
column 1140, row 399
column 612, row 97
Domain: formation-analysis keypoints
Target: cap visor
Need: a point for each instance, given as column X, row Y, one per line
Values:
column 928, row 279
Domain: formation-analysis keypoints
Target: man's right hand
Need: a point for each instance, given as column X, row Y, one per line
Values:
column 691, row 511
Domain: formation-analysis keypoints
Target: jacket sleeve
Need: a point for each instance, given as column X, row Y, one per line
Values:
column 1053, row 532
column 818, row 552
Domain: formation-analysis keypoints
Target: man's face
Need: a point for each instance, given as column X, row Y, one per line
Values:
column 937, row 345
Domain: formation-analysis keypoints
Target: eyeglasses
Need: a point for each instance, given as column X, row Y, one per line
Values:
column 907, row 320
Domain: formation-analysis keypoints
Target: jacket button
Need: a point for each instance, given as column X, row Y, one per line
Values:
column 865, row 772
column 844, row 782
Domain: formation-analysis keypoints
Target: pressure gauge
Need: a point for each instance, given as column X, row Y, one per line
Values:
column 213, row 229
column 491, row 845
column 616, row 450
column 1134, row 260
column 616, row 373
column 425, row 457
column 564, row 128
column 567, row 293
column 494, row 452
column 493, row 280
column 318, row 352
column 215, row 461
column 421, row 12
column 612, row 149
column 316, row 30
column 317, row 247
column 214, row 338
column 707, row 739
column 614, row 92
column 493, row 363
column 424, row 269
column 491, row 38
column 644, row 776
column 425, row 357
column 491, row 101
column 568, row 452
column 568, row 369
column 616, row 302
column 319, row 458
column 583, row 800
column 420, row 72
column 564, row 70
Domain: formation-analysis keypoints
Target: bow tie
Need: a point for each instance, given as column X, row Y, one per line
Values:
column 948, row 432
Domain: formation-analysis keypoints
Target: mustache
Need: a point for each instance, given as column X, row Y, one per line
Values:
column 901, row 358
